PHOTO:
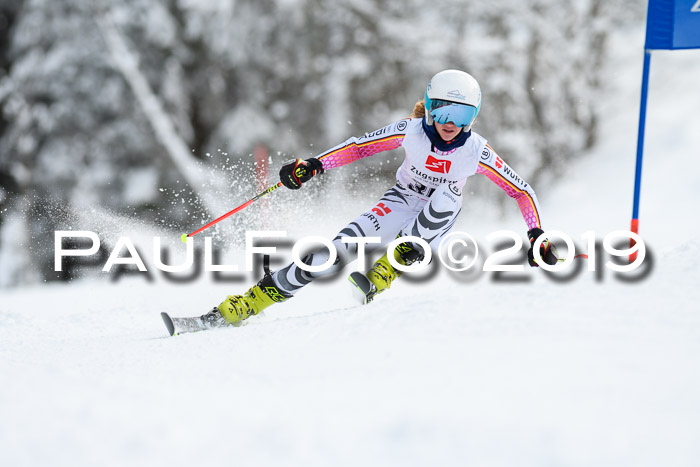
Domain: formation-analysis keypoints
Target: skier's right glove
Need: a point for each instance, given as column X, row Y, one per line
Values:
column 296, row 172
column 548, row 251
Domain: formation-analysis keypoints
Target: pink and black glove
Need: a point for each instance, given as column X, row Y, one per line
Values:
column 548, row 251
column 295, row 173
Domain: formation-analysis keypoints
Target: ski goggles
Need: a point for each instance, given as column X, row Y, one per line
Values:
column 445, row 111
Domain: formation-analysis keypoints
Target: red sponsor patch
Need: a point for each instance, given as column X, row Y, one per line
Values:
column 499, row 163
column 381, row 210
column 438, row 165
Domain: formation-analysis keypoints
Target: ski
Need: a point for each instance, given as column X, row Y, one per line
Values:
column 177, row 326
column 364, row 292
column 364, row 289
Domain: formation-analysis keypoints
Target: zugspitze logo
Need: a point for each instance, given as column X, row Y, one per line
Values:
column 438, row 165
column 456, row 95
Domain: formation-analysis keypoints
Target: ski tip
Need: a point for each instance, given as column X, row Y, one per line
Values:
column 363, row 287
column 183, row 237
column 168, row 323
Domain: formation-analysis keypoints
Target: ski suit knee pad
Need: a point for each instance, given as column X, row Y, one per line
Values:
column 322, row 255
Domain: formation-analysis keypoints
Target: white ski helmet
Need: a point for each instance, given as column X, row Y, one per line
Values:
column 452, row 96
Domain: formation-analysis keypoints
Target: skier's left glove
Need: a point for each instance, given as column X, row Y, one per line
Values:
column 548, row 251
column 297, row 172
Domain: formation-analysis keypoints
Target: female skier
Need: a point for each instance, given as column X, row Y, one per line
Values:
column 441, row 153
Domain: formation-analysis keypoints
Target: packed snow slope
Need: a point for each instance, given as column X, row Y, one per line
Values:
column 458, row 369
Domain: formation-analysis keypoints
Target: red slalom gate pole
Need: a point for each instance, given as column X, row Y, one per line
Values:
column 262, row 166
column 262, row 180
column 232, row 212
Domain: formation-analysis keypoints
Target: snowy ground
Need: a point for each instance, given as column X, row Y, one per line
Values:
column 451, row 371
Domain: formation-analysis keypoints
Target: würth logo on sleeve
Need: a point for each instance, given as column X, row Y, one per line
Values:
column 438, row 165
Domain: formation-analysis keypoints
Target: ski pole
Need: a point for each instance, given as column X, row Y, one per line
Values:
column 183, row 237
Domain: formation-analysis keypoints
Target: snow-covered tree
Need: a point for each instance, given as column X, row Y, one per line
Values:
column 110, row 104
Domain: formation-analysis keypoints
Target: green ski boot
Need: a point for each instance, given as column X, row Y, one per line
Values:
column 379, row 278
column 236, row 308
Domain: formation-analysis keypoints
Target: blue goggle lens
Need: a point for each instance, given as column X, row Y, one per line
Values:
column 459, row 114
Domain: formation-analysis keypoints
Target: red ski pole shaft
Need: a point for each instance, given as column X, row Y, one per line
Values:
column 234, row 211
